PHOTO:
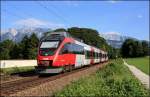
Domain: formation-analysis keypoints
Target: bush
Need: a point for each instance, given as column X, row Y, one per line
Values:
column 114, row 80
column 8, row 71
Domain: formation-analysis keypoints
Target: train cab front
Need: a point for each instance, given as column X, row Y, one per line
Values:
column 46, row 55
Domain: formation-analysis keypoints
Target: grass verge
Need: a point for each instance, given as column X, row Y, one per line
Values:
column 113, row 80
column 141, row 63
column 8, row 71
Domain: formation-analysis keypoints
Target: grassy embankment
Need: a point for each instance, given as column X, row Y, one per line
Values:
column 141, row 63
column 8, row 71
column 113, row 80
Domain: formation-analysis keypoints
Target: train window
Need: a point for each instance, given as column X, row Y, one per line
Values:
column 78, row 49
column 95, row 56
column 87, row 54
column 100, row 55
column 71, row 48
column 65, row 49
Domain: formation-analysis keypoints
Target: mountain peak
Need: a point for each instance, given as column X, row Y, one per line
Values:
column 18, row 34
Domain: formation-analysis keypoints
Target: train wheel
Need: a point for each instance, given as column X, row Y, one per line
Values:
column 64, row 69
column 70, row 67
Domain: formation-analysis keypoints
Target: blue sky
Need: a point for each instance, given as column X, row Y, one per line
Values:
column 129, row 18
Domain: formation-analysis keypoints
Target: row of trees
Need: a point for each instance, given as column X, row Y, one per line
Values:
column 134, row 48
column 26, row 49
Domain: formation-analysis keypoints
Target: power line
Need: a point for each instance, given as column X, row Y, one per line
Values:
column 24, row 13
column 57, row 10
column 13, row 14
column 51, row 11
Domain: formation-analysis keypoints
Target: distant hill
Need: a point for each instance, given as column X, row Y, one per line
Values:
column 115, row 39
column 17, row 34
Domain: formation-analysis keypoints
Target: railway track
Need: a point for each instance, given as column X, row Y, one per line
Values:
column 12, row 87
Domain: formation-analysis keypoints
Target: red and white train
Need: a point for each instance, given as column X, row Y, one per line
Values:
column 59, row 52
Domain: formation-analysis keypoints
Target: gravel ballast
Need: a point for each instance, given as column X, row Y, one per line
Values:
column 49, row 88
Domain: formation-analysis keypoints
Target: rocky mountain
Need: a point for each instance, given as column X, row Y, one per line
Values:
column 114, row 39
column 18, row 34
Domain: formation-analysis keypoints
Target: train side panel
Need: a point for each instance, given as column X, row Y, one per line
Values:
column 70, row 52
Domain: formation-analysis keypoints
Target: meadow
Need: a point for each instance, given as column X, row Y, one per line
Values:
column 113, row 80
column 13, row 70
column 141, row 63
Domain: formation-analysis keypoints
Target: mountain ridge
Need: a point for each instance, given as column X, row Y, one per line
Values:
column 112, row 38
column 17, row 34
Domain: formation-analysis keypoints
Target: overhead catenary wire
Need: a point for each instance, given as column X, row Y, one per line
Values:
column 23, row 12
column 60, row 11
column 52, row 12
column 13, row 14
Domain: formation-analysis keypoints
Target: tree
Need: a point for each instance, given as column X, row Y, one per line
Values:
column 33, row 46
column 89, row 36
column 25, row 44
column 34, row 40
column 128, row 48
column 16, row 52
column 29, row 46
column 138, row 49
column 145, row 48
column 134, row 48
column 5, row 48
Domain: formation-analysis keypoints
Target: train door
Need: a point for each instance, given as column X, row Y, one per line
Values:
column 79, row 51
column 92, row 56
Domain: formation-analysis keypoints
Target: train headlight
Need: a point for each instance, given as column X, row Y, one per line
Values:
column 46, row 62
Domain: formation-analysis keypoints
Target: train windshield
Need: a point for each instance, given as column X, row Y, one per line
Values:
column 49, row 44
column 48, row 48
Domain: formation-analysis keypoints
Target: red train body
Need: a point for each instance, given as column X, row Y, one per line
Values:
column 59, row 52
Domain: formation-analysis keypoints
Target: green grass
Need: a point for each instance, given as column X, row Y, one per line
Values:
column 141, row 63
column 12, row 70
column 113, row 80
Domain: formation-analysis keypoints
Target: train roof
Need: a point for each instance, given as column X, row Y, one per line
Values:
column 61, row 35
column 58, row 36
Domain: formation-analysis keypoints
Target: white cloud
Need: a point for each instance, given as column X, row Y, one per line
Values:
column 113, row 33
column 113, row 1
column 32, row 22
column 140, row 16
column 71, row 3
